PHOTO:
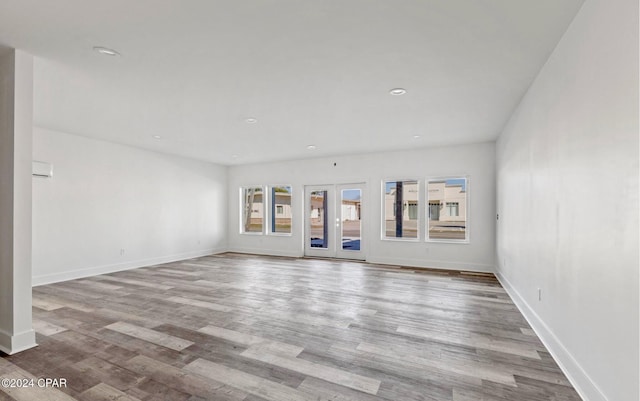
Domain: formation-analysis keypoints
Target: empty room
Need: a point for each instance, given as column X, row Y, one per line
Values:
column 285, row 200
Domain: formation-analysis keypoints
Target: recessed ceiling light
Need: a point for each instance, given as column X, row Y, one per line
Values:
column 251, row 120
column 397, row 91
column 157, row 137
column 105, row 51
column 416, row 137
column 311, row 147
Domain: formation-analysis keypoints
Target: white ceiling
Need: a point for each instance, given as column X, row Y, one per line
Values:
column 311, row 72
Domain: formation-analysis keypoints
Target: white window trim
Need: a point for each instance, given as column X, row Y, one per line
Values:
column 467, row 239
column 383, row 236
column 268, row 212
column 241, row 202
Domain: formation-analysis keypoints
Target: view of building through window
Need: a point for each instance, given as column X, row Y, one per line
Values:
column 447, row 209
column 252, row 210
column 281, row 210
column 318, row 223
column 351, row 212
column 401, row 209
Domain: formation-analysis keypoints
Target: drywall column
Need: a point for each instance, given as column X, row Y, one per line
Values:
column 16, row 121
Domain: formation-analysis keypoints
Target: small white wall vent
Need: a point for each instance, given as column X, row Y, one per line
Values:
column 42, row 169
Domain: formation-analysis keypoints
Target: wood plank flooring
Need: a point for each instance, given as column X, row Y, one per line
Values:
column 235, row 327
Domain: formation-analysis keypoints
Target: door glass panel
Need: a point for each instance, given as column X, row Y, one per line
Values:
column 351, row 223
column 318, row 224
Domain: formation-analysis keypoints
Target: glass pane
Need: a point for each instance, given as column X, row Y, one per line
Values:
column 448, row 209
column 351, row 212
column 281, row 210
column 401, row 209
column 318, row 220
column 253, row 210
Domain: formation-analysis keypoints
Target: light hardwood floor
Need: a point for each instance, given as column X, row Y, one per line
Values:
column 242, row 327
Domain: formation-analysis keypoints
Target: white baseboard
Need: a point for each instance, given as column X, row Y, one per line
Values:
column 267, row 252
column 586, row 388
column 481, row 268
column 433, row 264
column 12, row 344
column 112, row 268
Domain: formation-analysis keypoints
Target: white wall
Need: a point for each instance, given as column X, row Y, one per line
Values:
column 106, row 197
column 568, row 202
column 477, row 161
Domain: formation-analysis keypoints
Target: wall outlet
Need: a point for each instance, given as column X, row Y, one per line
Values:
column 539, row 294
column 122, row 252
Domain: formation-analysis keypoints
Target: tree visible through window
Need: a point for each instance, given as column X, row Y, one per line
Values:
column 252, row 209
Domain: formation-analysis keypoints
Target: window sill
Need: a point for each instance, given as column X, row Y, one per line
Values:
column 448, row 241
column 400, row 239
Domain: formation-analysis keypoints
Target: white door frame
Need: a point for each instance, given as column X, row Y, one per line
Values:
column 334, row 247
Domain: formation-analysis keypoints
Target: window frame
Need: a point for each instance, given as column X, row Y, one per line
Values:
column 270, row 211
column 242, row 205
column 383, row 225
column 467, row 239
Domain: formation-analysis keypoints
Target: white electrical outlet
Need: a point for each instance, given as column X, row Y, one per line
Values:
column 122, row 252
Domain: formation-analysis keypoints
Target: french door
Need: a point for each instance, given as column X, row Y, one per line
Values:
column 333, row 221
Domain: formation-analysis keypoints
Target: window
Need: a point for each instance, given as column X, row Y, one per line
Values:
column 453, row 209
column 400, row 209
column 281, row 210
column 252, row 210
column 434, row 210
column 448, row 205
column 413, row 210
